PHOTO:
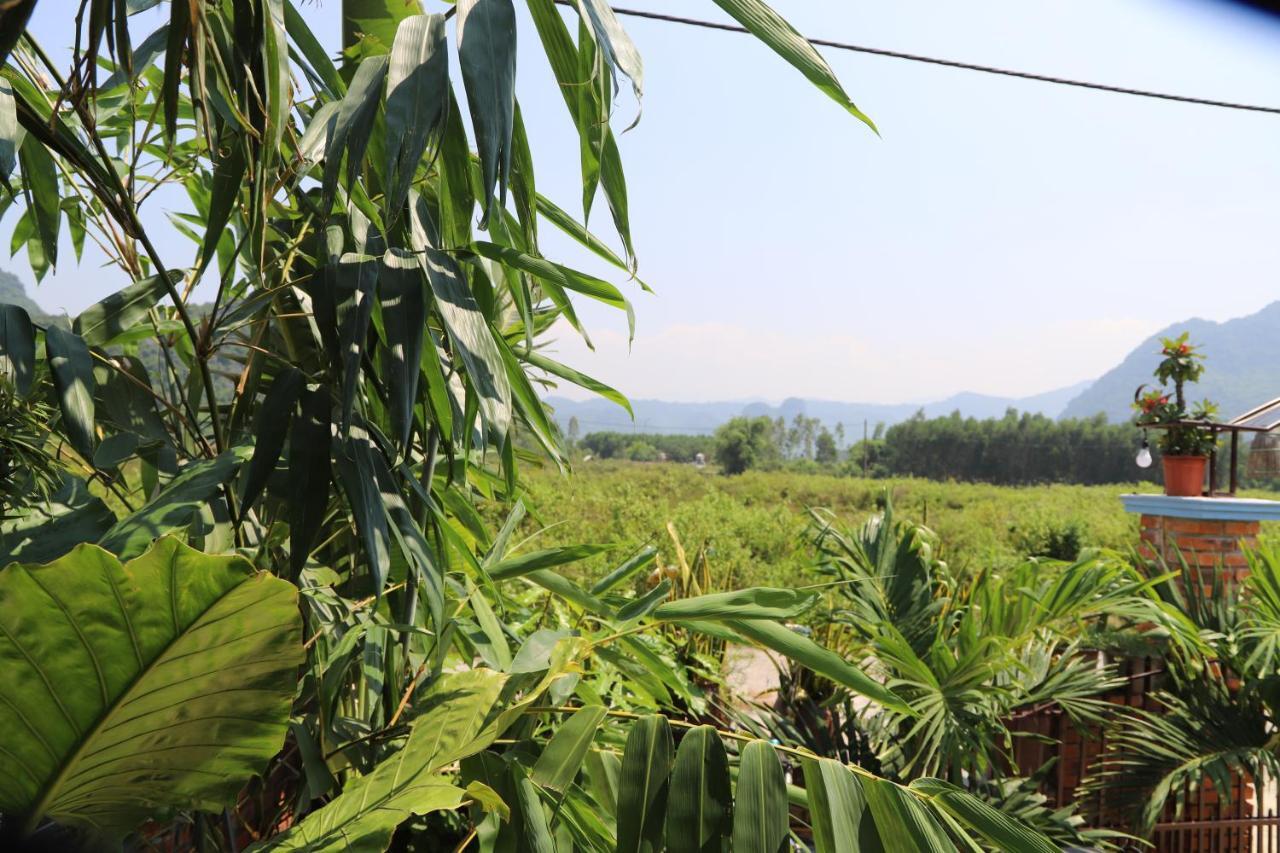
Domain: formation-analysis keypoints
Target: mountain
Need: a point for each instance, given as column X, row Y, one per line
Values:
column 13, row 293
column 662, row 416
column 1240, row 367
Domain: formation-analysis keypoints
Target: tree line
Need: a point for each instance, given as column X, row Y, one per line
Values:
column 1017, row 449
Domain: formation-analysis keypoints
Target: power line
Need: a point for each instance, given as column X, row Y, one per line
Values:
column 951, row 63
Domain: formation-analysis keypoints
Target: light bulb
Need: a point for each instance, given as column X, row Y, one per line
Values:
column 1144, row 456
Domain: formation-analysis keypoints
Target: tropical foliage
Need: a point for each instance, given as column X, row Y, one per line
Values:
column 325, row 432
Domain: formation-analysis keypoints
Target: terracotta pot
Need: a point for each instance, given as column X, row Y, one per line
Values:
column 1184, row 476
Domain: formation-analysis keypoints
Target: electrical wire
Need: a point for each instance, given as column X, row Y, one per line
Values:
column 951, row 63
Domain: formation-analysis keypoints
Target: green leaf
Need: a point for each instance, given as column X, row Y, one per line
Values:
column 700, row 802
column 643, row 786
column 998, row 828
column 162, row 683
column 125, row 398
column 356, row 278
column 72, row 369
column 270, row 430
column 902, row 821
column 403, row 298
column 17, row 347
column 768, row 26
column 582, row 380
column 579, row 233
column 101, row 323
column 13, row 22
column 224, row 191
column 353, row 125
column 487, row 54
column 417, row 101
column 804, row 651
column 514, row 567
column 175, row 49
column 373, row 20
column 40, row 177
column 645, row 604
column 175, row 506
column 753, row 603
column 366, row 814
column 11, row 133
column 309, row 474
column 559, row 276
column 560, row 761
column 618, row 48
column 312, row 51
column 467, row 327
column 629, row 567
column 46, row 530
column 836, row 806
column 358, row 477
column 760, row 804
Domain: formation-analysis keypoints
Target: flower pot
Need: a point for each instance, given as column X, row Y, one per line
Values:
column 1184, row 476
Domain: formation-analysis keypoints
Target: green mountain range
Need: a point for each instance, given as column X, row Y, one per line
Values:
column 1241, row 369
column 13, row 293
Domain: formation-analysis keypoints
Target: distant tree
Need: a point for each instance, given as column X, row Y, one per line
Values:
column 642, row 451
column 745, row 443
column 616, row 445
column 825, row 451
column 574, row 430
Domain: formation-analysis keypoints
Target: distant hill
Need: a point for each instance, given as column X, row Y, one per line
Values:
column 12, row 292
column 1241, row 368
column 662, row 416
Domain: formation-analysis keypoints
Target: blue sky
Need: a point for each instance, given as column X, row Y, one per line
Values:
column 1001, row 236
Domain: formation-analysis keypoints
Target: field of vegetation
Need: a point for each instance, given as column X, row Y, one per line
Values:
column 753, row 524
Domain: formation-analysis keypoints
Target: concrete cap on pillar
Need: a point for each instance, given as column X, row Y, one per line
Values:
column 1206, row 509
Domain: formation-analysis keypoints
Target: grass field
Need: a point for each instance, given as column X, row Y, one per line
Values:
column 753, row 525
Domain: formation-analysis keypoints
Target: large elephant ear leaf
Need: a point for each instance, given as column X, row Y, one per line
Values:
column 164, row 682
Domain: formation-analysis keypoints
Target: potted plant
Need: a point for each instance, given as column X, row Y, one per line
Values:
column 1186, row 439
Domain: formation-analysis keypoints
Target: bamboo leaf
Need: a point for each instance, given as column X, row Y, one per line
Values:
column 698, row 816
column 97, row 662
column 618, row 48
column 358, row 477
column 403, row 298
column 754, row 603
column 565, row 372
column 836, row 806
column 408, row 783
column 467, row 327
column 645, row 604
column 72, row 369
column 487, row 54
column 13, row 22
column 271, row 429
column 643, row 786
column 514, row 567
column 11, row 133
column 629, row 567
column 417, row 101
column 45, row 530
column 309, row 474
column 174, row 507
column 17, row 347
column 355, row 278
column 102, row 323
column 353, row 125
column 804, row 651
column 40, row 177
column 563, row 755
column 760, row 804
column 768, row 26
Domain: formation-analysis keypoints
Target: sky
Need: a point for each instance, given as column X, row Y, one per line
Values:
column 999, row 236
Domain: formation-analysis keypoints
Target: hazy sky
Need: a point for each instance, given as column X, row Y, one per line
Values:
column 1001, row 236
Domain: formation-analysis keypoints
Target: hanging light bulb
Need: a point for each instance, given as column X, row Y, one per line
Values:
column 1144, row 453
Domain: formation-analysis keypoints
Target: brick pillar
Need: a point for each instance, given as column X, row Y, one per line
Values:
column 1207, row 545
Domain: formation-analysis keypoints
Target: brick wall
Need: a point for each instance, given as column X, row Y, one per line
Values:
column 1210, row 546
